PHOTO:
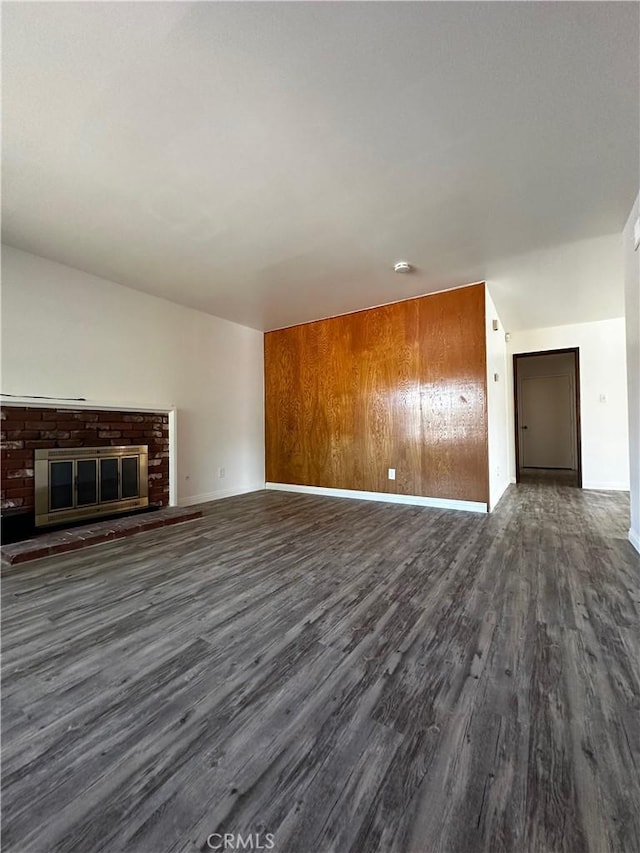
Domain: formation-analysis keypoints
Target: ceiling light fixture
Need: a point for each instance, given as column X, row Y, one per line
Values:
column 402, row 266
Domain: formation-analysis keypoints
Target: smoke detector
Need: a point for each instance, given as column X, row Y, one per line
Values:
column 402, row 266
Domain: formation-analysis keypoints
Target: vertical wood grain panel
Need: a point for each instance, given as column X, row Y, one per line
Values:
column 454, row 395
column 402, row 386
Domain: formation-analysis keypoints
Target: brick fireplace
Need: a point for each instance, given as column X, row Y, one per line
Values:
column 26, row 429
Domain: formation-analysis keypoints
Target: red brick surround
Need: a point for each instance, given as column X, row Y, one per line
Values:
column 24, row 429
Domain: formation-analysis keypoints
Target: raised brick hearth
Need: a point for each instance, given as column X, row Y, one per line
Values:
column 25, row 429
column 49, row 544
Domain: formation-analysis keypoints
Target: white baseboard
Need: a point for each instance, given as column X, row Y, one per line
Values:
column 634, row 538
column 413, row 500
column 606, row 487
column 191, row 500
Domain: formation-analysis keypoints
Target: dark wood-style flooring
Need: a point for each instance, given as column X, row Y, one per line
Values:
column 346, row 676
column 549, row 476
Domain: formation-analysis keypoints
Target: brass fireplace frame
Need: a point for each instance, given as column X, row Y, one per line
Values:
column 46, row 516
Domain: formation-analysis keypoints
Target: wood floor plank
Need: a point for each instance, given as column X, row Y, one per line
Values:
column 346, row 675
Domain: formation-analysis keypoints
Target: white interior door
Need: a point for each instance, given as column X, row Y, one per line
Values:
column 547, row 428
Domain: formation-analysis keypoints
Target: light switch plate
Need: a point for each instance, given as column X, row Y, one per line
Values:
column 392, row 473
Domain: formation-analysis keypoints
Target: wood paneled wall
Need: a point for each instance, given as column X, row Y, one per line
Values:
column 402, row 386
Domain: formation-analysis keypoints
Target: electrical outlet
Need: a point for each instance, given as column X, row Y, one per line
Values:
column 392, row 473
column 221, row 473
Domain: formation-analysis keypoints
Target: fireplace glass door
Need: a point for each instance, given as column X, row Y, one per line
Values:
column 61, row 485
column 129, row 467
column 109, row 479
column 86, row 482
column 89, row 481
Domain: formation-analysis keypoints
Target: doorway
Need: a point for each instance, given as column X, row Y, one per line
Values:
column 547, row 417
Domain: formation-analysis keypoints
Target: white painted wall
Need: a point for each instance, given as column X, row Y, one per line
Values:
column 497, row 410
column 632, row 312
column 605, row 447
column 577, row 282
column 66, row 333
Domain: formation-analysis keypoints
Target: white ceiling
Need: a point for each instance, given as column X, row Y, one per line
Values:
column 268, row 162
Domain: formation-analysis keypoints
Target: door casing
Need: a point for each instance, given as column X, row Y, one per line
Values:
column 576, row 386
